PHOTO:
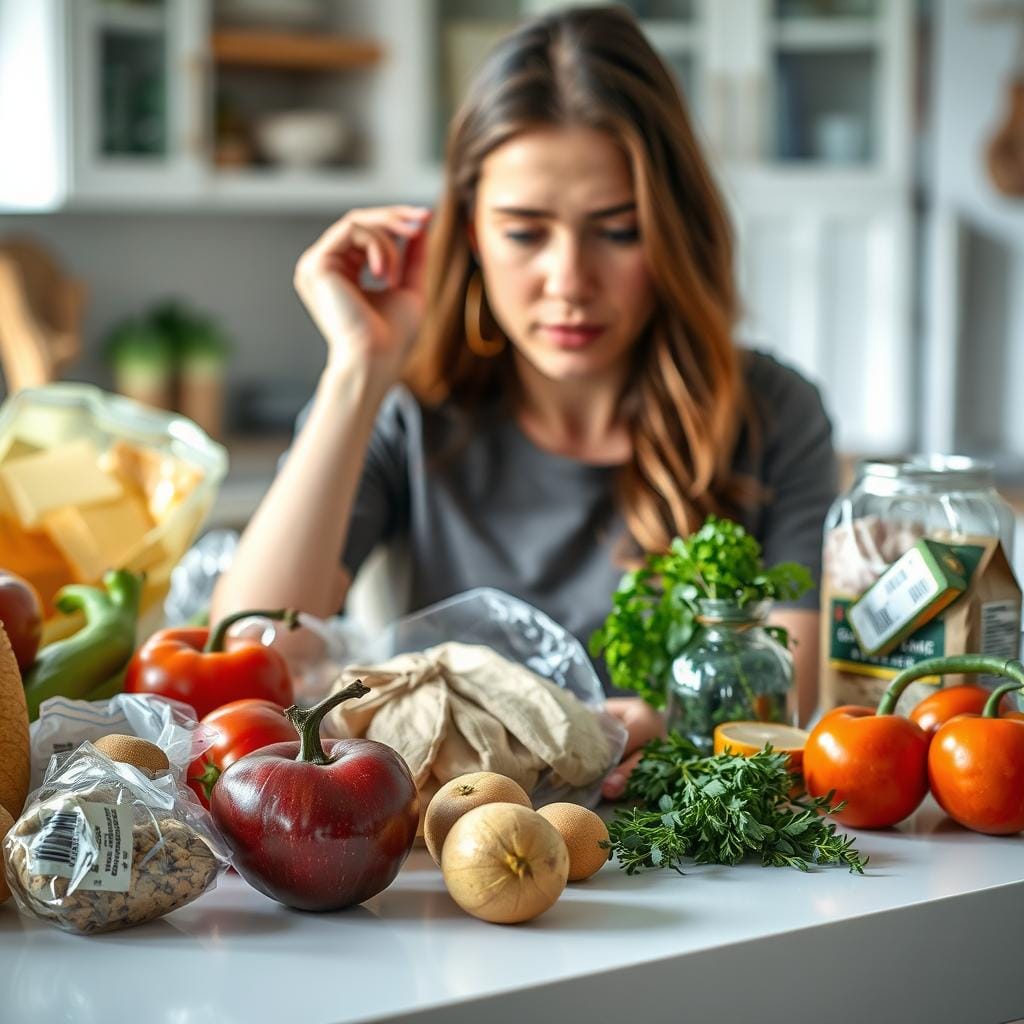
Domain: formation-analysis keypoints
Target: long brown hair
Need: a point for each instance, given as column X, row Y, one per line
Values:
column 592, row 67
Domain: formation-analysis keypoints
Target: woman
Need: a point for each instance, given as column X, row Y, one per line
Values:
column 563, row 324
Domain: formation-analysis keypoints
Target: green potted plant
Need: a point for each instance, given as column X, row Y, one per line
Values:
column 201, row 352
column 142, row 360
column 687, row 632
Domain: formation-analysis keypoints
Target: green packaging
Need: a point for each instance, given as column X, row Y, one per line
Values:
column 913, row 590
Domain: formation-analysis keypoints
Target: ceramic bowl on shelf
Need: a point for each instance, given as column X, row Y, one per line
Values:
column 303, row 138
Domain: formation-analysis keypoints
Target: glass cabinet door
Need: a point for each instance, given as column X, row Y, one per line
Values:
column 138, row 88
column 132, row 113
column 826, row 79
column 467, row 29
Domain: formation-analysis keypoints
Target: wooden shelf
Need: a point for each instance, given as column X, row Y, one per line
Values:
column 294, row 51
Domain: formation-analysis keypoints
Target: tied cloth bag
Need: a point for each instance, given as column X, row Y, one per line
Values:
column 458, row 708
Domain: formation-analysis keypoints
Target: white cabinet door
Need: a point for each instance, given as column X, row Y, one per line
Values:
column 34, row 119
column 826, row 287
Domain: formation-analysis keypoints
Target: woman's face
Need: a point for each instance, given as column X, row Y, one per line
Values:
column 556, row 232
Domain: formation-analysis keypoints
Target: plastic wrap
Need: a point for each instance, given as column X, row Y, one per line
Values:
column 103, row 845
column 65, row 724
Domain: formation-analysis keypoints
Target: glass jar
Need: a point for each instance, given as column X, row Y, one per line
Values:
column 946, row 496
column 892, row 504
column 731, row 670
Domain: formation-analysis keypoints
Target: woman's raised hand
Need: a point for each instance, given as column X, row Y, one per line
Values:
column 376, row 324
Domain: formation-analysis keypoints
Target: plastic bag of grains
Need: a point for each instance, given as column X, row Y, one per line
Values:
column 103, row 845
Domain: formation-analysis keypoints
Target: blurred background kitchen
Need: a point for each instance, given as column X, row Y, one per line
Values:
column 164, row 162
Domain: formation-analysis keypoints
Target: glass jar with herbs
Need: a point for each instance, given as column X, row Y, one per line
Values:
column 732, row 669
column 688, row 632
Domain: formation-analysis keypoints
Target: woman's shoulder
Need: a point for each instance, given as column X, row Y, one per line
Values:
column 771, row 378
column 785, row 399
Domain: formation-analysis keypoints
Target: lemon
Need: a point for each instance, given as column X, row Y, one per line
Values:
column 746, row 738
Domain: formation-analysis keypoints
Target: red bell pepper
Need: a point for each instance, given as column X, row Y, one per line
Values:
column 976, row 765
column 191, row 665
column 241, row 727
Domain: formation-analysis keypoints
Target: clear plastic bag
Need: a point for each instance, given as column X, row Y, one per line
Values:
column 511, row 627
column 103, row 845
column 64, row 724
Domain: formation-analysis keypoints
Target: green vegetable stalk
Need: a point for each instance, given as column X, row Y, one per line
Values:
column 88, row 661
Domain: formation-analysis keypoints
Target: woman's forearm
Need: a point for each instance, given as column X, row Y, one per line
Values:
column 802, row 625
column 289, row 554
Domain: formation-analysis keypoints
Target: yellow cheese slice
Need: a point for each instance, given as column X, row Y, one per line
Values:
column 6, row 505
column 95, row 538
column 67, row 475
column 13, row 447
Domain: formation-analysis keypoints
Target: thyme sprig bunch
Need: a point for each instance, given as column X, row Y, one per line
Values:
column 721, row 810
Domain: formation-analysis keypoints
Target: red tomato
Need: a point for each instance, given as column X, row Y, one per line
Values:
column 242, row 727
column 21, row 615
column 939, row 707
column 876, row 763
column 976, row 771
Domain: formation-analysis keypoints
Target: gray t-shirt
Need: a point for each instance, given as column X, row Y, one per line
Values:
column 504, row 513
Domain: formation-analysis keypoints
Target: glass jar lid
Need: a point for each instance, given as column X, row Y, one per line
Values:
column 711, row 611
column 928, row 472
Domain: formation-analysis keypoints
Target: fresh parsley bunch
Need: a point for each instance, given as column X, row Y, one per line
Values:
column 720, row 810
column 654, row 609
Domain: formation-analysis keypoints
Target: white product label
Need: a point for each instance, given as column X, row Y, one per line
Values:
column 893, row 601
column 89, row 842
column 1000, row 633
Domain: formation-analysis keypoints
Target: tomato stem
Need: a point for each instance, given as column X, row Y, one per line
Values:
column 968, row 664
column 211, row 773
column 215, row 642
column 307, row 722
column 991, row 709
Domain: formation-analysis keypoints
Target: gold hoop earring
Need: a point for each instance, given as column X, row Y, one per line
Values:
column 478, row 344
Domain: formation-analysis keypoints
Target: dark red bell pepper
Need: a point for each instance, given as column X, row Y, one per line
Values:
column 315, row 827
column 191, row 665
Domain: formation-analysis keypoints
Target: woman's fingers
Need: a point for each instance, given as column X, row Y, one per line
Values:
column 614, row 784
column 643, row 724
column 400, row 219
column 367, row 237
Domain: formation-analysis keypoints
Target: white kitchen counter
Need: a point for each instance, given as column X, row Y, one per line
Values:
column 933, row 932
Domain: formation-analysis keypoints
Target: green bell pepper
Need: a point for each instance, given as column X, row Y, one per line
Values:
column 89, row 659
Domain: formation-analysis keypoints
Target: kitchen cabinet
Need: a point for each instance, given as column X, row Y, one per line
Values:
column 115, row 105
column 804, row 106
column 931, row 932
column 100, row 102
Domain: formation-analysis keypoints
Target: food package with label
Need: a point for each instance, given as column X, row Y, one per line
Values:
column 915, row 566
column 91, row 481
column 104, row 845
